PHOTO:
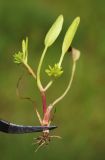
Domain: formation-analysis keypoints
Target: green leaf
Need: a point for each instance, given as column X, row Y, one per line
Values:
column 54, row 31
column 70, row 35
column 23, row 46
column 25, row 49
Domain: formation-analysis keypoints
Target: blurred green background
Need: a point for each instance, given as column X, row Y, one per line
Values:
column 80, row 116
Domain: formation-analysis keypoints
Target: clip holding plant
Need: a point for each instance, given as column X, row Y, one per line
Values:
column 53, row 72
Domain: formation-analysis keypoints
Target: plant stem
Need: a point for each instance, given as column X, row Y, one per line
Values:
column 44, row 102
column 68, row 87
column 38, row 115
column 48, row 85
column 61, row 59
column 39, row 84
column 39, row 70
column 42, row 93
column 30, row 70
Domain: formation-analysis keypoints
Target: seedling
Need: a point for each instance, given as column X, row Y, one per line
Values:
column 53, row 72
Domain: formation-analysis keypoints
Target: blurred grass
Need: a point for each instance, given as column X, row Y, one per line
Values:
column 81, row 115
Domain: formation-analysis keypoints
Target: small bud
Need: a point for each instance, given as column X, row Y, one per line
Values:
column 18, row 57
column 22, row 56
column 54, row 31
column 54, row 71
column 75, row 54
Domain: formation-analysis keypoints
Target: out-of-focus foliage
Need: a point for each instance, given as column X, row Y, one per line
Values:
column 81, row 115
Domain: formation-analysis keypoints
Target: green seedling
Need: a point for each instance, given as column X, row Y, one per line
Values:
column 53, row 72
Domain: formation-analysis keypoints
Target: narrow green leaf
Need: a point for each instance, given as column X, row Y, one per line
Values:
column 70, row 35
column 23, row 46
column 54, row 31
column 26, row 50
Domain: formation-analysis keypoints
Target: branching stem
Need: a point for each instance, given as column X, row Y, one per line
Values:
column 48, row 85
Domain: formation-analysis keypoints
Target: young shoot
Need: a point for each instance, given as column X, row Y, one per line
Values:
column 50, row 38
column 53, row 72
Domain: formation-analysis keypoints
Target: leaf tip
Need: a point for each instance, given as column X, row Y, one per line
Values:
column 77, row 19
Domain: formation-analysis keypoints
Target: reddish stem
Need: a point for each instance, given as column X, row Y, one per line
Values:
column 44, row 102
column 47, row 116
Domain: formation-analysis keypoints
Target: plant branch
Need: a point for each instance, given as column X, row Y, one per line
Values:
column 39, row 70
column 48, row 85
column 30, row 70
column 68, row 87
column 38, row 115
